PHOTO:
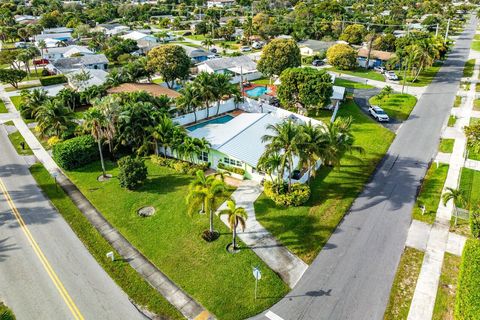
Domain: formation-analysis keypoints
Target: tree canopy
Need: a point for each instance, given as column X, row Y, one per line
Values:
column 279, row 55
column 171, row 62
column 342, row 56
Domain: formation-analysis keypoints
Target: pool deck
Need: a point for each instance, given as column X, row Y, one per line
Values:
column 232, row 113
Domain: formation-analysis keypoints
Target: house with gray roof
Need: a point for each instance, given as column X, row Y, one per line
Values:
column 55, row 53
column 240, row 68
column 312, row 47
column 67, row 65
column 197, row 55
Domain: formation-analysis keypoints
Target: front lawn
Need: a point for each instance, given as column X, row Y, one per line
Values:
column 362, row 73
column 452, row 120
column 305, row 229
column 468, row 68
column 171, row 239
column 352, row 84
column 447, row 288
column 404, row 285
column 446, row 145
column 430, row 193
column 120, row 271
column 424, row 78
column 3, row 108
column 470, row 185
column 17, row 101
column 16, row 139
column 396, row 105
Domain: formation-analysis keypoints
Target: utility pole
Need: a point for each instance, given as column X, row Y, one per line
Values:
column 436, row 31
column 446, row 32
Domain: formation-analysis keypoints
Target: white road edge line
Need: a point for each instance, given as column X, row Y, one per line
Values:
column 272, row 316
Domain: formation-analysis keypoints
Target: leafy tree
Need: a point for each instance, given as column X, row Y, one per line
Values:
column 96, row 122
column 205, row 193
column 12, row 76
column 305, row 88
column 472, row 133
column 132, row 172
column 342, row 56
column 385, row 43
column 236, row 216
column 208, row 42
column 171, row 62
column 278, row 55
column 353, row 34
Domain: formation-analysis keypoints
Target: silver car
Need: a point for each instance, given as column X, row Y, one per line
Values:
column 378, row 114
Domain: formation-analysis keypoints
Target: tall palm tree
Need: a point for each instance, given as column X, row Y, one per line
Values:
column 236, row 216
column 312, row 147
column 205, row 87
column 205, row 192
column 31, row 101
column 96, row 123
column 53, row 118
column 42, row 45
column 189, row 99
column 202, row 144
column 162, row 134
column 223, row 88
column 286, row 139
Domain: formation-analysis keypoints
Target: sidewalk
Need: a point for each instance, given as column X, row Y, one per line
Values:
column 423, row 301
column 176, row 296
column 256, row 237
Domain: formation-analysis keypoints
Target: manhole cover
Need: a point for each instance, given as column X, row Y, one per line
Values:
column 146, row 211
column 106, row 177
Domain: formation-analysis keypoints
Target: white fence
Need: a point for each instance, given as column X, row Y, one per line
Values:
column 225, row 106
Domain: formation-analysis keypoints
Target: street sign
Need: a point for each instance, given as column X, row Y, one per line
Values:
column 257, row 274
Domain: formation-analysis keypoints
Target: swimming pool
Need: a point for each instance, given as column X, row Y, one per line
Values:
column 257, row 91
column 219, row 120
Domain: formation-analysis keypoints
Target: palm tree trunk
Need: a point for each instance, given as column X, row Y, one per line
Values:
column 195, row 114
column 206, row 103
column 156, row 148
column 211, row 221
column 101, row 157
column 418, row 73
column 218, row 107
column 234, row 236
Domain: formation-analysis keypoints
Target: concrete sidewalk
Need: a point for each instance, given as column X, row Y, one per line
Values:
column 256, row 237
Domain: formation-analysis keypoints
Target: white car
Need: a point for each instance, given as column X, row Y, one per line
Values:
column 257, row 45
column 245, row 49
column 390, row 75
column 380, row 69
column 378, row 114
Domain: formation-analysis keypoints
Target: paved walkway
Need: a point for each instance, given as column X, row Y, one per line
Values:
column 276, row 256
column 176, row 296
column 439, row 239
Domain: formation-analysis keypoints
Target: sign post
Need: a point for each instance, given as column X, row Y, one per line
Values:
column 111, row 255
column 54, row 175
column 257, row 274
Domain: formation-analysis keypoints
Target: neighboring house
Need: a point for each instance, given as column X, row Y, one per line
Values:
column 197, row 55
column 399, row 33
column 67, row 65
column 66, row 36
column 57, row 30
column 53, row 54
column 151, row 88
column 144, row 41
column 240, row 68
column 312, row 47
column 97, row 78
column 377, row 57
column 220, row 3
column 111, row 29
column 26, row 19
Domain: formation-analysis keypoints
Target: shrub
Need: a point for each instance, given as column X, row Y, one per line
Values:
column 51, row 80
column 75, row 152
column 179, row 165
column 45, row 73
column 236, row 170
column 475, row 223
column 468, row 295
column 53, row 141
column 298, row 195
column 133, row 172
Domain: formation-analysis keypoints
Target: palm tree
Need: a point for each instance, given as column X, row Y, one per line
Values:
column 285, row 140
column 96, row 123
column 312, row 147
column 457, row 196
column 236, row 216
column 223, row 87
column 205, row 87
column 189, row 99
column 162, row 134
column 53, row 118
column 202, row 144
column 208, row 42
column 110, row 108
column 31, row 101
column 269, row 162
column 204, row 194
column 42, row 45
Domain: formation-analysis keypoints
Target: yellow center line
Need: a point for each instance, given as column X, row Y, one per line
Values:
column 51, row 273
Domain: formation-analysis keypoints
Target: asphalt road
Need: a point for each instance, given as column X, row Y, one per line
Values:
column 25, row 284
column 352, row 276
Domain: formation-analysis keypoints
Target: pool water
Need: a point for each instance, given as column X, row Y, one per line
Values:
column 257, row 91
column 219, row 120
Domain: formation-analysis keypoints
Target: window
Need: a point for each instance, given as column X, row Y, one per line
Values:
column 232, row 162
column 203, row 156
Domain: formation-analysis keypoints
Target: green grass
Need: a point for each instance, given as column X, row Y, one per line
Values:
column 305, row 229
column 468, row 295
column 3, row 108
column 17, row 101
column 120, row 271
column 424, row 78
column 362, row 73
column 5, row 312
column 476, row 104
column 22, row 87
column 158, row 81
column 396, row 105
column 430, row 192
column 446, row 145
column 404, row 284
column 9, row 123
column 476, row 45
column 457, row 102
column 452, row 120
column 197, row 37
column 16, row 139
column 171, row 239
column 468, row 69
column 447, row 287
column 476, row 37
column 466, row 86
column 470, row 185
column 351, row 84
column 262, row 81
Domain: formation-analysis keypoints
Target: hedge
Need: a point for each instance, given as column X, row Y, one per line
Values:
column 298, row 195
column 236, row 170
column 467, row 305
column 179, row 165
column 75, row 152
column 51, row 80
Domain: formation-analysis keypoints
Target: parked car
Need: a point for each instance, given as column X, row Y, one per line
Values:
column 257, row 45
column 378, row 114
column 380, row 69
column 390, row 75
column 317, row 63
column 245, row 49
column 188, row 33
column 213, row 50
